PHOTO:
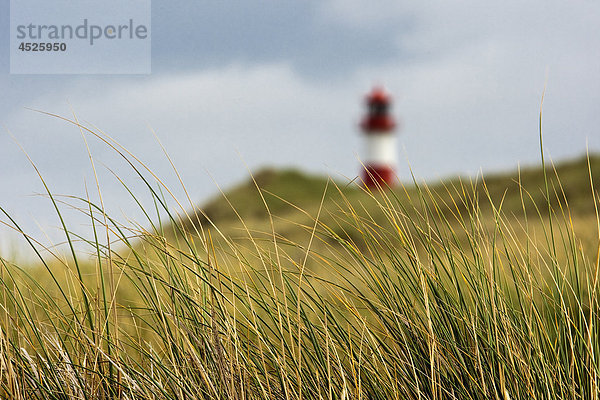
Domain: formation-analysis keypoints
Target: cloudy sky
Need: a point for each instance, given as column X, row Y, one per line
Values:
column 242, row 84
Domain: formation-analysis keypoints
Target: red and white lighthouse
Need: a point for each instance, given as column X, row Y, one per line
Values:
column 378, row 125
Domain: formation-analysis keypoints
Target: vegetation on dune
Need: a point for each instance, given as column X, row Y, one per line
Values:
column 294, row 287
column 290, row 199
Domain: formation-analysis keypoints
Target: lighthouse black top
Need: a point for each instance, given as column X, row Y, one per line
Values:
column 378, row 119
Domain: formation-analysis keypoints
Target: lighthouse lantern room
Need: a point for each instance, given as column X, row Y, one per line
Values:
column 379, row 159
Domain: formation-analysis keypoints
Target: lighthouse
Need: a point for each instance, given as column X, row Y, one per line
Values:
column 379, row 158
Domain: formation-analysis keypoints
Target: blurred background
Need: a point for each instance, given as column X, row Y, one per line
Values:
column 238, row 85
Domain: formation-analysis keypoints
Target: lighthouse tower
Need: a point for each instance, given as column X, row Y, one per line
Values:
column 378, row 126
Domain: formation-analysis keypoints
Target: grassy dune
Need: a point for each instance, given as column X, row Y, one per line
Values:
column 290, row 200
column 296, row 286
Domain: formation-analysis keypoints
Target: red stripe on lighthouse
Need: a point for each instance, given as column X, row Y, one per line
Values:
column 378, row 177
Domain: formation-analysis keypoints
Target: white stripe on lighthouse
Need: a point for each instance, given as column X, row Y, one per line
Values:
column 380, row 149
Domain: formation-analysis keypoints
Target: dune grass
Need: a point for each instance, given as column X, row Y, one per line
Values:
column 417, row 293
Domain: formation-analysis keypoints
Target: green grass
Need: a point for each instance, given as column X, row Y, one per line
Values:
column 292, row 286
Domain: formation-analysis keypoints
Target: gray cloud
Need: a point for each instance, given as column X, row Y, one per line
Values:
column 208, row 34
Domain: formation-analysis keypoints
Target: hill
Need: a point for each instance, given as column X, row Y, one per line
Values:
column 293, row 198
